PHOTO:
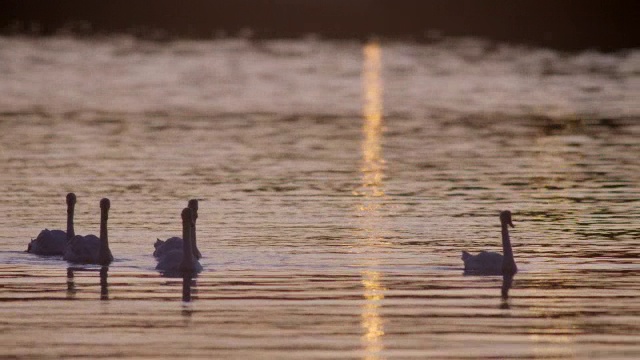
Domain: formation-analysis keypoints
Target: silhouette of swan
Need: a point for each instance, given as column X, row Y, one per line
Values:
column 491, row 263
column 181, row 260
column 90, row 249
column 175, row 243
column 53, row 242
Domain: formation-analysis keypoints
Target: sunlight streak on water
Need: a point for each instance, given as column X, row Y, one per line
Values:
column 372, row 172
column 372, row 112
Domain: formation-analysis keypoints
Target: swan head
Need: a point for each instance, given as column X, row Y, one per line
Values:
column 505, row 218
column 187, row 215
column 193, row 205
column 105, row 204
column 71, row 199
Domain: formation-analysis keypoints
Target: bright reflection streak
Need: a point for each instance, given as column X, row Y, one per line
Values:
column 372, row 184
column 371, row 148
column 371, row 320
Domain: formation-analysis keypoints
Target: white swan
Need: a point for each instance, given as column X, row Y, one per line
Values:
column 181, row 260
column 90, row 249
column 491, row 263
column 175, row 243
column 53, row 242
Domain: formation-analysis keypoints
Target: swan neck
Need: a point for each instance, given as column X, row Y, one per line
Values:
column 193, row 238
column 104, row 238
column 70, row 231
column 187, row 251
column 508, row 262
column 104, row 235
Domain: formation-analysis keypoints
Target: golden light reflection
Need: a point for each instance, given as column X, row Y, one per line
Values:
column 556, row 177
column 373, row 165
column 372, row 187
column 371, row 320
column 546, row 345
column 553, row 332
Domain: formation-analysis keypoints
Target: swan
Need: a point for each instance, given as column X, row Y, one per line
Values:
column 90, row 249
column 175, row 243
column 182, row 260
column 53, row 242
column 491, row 263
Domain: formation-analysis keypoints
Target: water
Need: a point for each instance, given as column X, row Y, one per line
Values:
column 338, row 184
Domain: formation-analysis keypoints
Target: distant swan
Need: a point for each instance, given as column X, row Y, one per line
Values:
column 491, row 263
column 53, row 242
column 175, row 243
column 90, row 249
column 182, row 260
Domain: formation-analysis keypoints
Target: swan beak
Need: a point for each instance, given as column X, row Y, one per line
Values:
column 511, row 224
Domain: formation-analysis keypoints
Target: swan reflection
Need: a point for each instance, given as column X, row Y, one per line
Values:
column 507, row 281
column 188, row 281
column 71, row 286
column 104, row 283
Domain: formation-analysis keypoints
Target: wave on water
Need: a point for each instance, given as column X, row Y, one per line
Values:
column 122, row 74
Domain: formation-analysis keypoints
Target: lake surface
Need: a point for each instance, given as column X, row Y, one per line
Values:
column 338, row 184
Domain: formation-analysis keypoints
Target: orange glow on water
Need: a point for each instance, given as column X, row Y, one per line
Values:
column 372, row 112
column 372, row 183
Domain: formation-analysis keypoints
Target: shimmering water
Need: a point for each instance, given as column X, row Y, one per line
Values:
column 339, row 183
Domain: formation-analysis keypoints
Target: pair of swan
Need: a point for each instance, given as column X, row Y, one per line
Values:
column 74, row 248
column 91, row 249
column 175, row 243
column 180, row 255
column 491, row 263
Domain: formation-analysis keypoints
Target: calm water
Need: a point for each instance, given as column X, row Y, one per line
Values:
column 339, row 183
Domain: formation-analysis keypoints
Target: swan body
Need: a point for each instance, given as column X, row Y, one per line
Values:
column 83, row 249
column 485, row 261
column 54, row 242
column 182, row 260
column 162, row 248
column 172, row 261
column 492, row 263
column 91, row 249
column 48, row 242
